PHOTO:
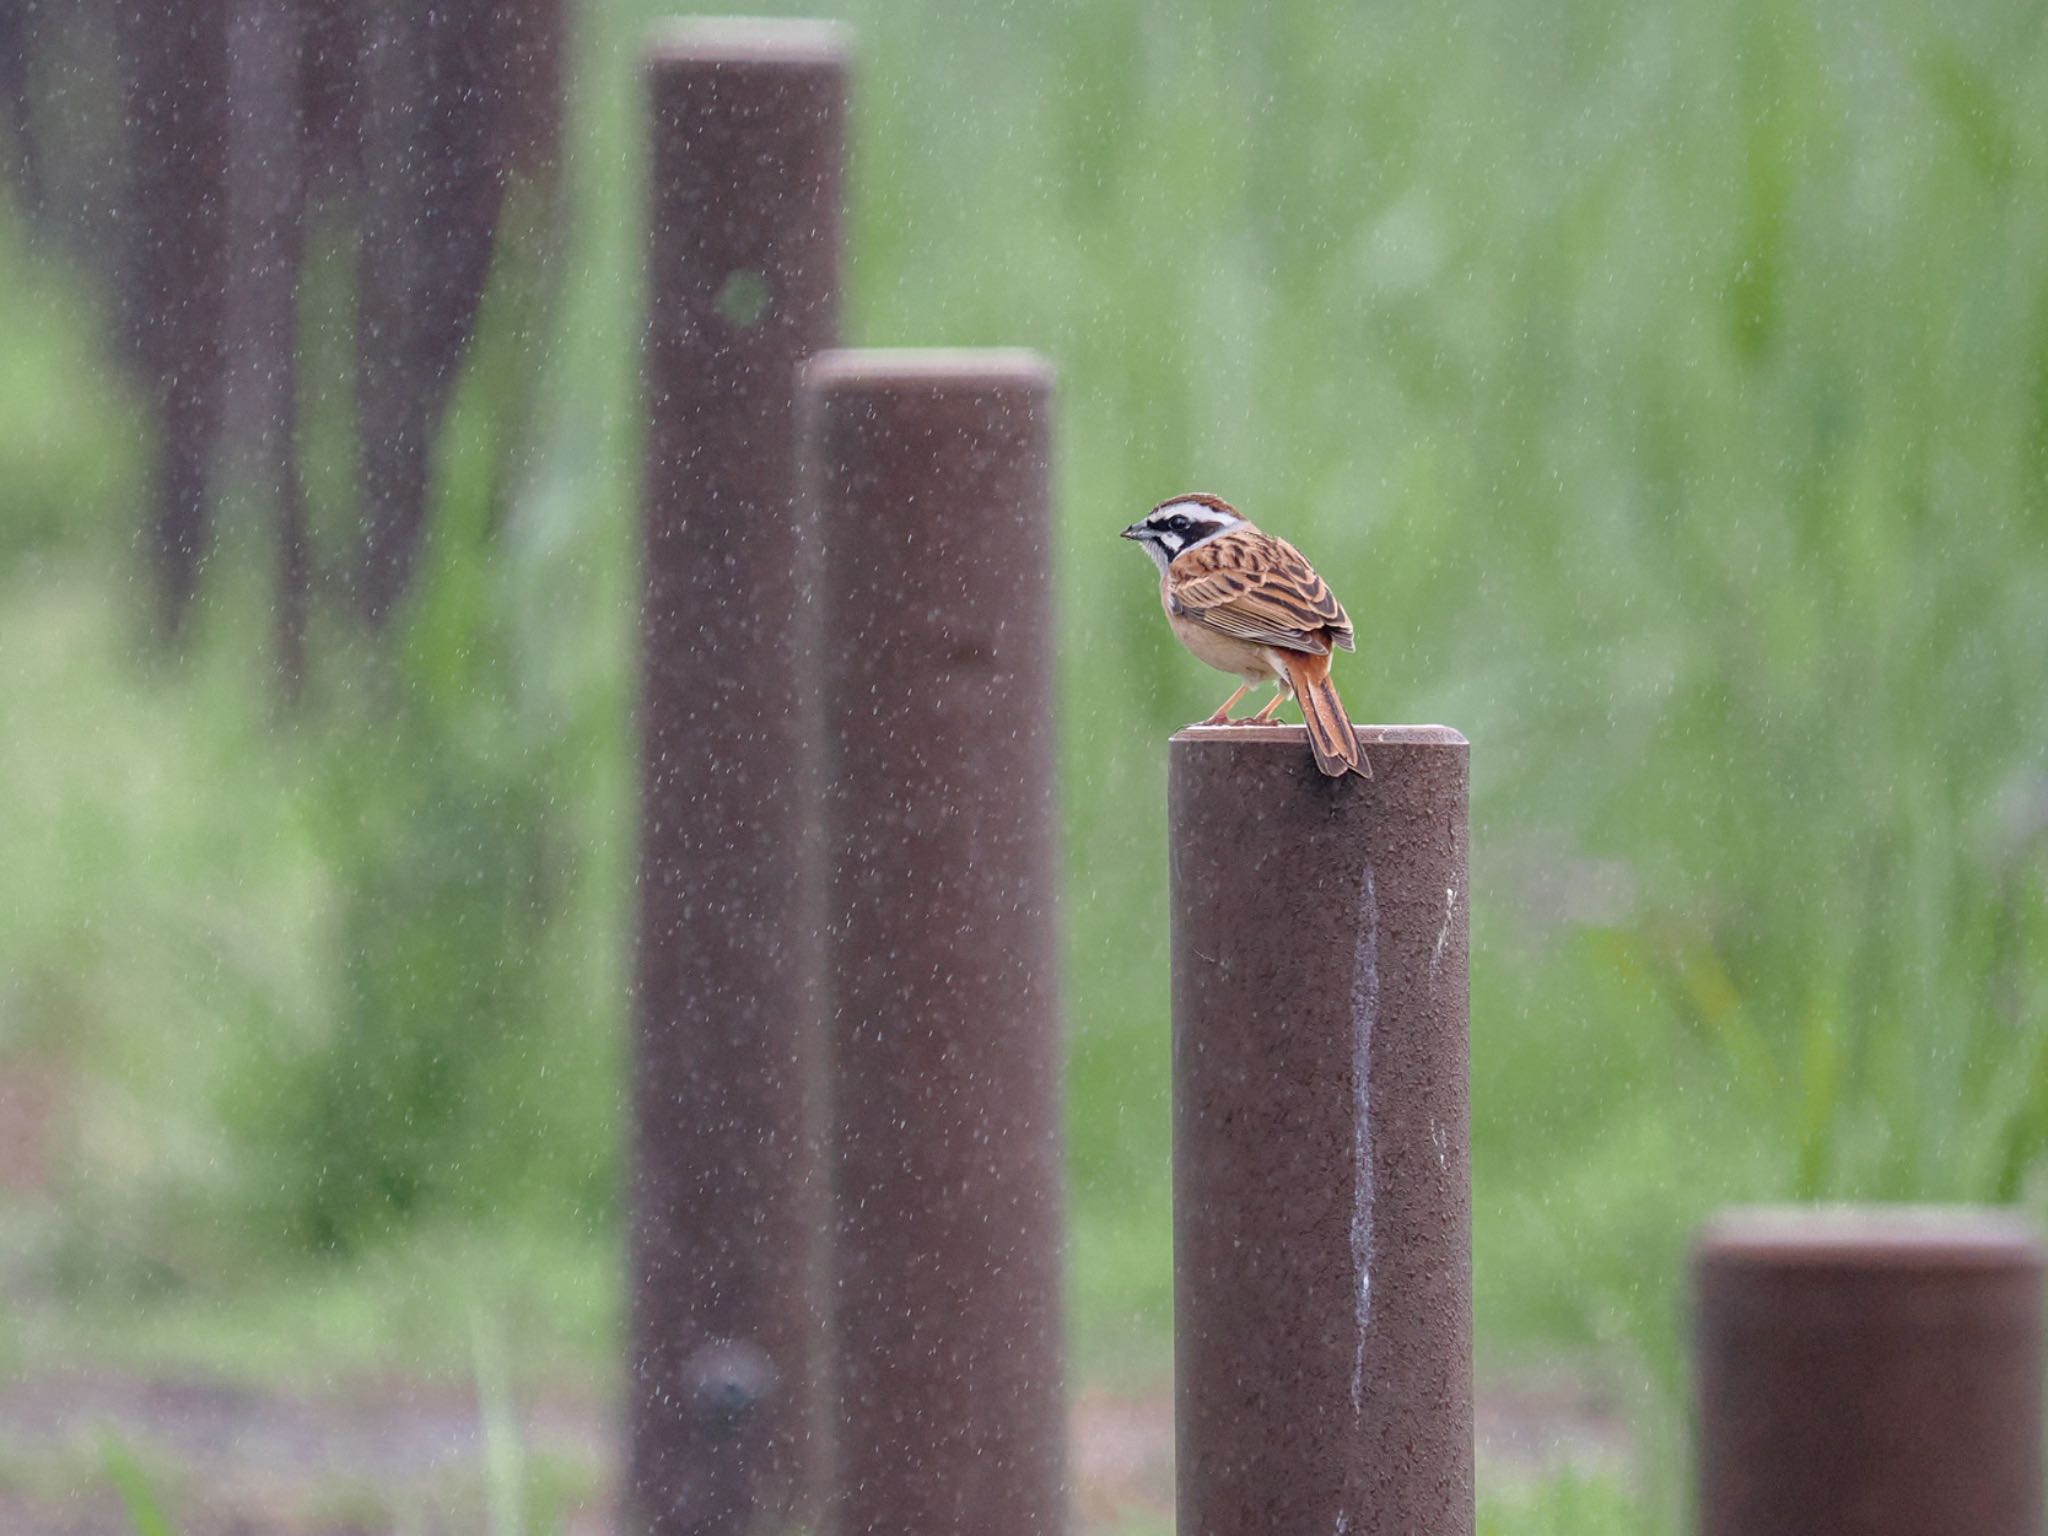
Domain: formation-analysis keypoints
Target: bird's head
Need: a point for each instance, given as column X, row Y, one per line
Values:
column 1180, row 523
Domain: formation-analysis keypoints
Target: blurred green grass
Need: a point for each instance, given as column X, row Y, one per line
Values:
column 1665, row 389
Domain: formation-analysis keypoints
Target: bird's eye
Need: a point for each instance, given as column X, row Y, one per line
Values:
column 1179, row 525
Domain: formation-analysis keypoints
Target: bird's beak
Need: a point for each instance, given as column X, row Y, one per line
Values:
column 1134, row 531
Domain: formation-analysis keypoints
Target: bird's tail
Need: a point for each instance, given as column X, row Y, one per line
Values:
column 1329, row 728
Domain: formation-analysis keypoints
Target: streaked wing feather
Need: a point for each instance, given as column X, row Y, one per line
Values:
column 1258, row 588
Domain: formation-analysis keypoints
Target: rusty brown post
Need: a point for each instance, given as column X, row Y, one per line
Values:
column 932, row 476
column 1322, row 1191
column 746, row 126
column 1871, row 1370
column 175, row 57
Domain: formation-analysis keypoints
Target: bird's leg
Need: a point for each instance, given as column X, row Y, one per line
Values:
column 1280, row 696
column 1222, row 715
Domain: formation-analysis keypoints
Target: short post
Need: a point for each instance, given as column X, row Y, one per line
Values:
column 1875, row 1370
column 1322, row 1189
column 943, row 1019
column 727, row 1206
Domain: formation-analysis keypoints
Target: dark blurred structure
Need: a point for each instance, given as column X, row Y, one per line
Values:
column 933, row 494
column 176, row 66
column 456, row 101
column 267, row 182
column 226, row 123
column 746, row 127
column 1868, row 1370
column 1321, row 1154
column 20, row 164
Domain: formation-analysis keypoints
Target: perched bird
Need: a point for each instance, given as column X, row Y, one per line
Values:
column 1247, row 603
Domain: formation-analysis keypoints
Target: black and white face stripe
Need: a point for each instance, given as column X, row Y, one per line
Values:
column 1178, row 525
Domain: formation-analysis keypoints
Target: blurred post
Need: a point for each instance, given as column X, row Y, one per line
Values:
column 1868, row 1370
column 943, row 1018
column 176, row 69
column 746, row 132
column 266, row 238
column 1322, row 1190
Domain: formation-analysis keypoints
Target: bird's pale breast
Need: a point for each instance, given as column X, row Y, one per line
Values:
column 1226, row 653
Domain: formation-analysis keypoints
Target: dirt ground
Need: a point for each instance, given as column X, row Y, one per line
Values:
column 413, row 1458
column 406, row 1457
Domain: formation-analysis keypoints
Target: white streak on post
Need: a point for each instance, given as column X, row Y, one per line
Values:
column 1365, row 1009
column 1436, row 959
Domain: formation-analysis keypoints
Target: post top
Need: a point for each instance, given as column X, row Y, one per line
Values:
column 1925, row 1237
column 1296, row 736
column 748, row 40
column 891, row 368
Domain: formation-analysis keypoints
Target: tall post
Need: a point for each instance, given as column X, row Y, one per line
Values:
column 1322, row 1188
column 943, row 1018
column 1868, row 1370
column 746, row 127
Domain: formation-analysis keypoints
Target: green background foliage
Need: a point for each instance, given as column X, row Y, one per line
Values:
column 1663, row 386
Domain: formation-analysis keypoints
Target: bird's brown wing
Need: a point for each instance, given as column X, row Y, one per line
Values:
column 1258, row 588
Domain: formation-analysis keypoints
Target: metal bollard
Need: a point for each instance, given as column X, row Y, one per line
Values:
column 943, row 1017
column 1870, row 1370
column 1322, row 1187
column 727, row 1206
